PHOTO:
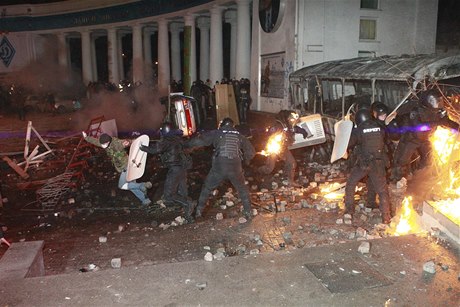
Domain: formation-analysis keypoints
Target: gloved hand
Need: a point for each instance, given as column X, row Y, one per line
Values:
column 307, row 134
column 84, row 134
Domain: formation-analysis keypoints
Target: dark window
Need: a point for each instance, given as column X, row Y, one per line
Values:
column 370, row 4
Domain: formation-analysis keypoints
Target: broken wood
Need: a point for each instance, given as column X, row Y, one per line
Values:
column 16, row 168
column 31, row 184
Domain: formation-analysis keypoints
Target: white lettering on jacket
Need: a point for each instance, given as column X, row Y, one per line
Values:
column 368, row 130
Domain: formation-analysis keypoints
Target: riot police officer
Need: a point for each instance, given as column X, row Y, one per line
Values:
column 419, row 120
column 380, row 112
column 172, row 155
column 286, row 123
column 243, row 99
column 230, row 148
column 368, row 137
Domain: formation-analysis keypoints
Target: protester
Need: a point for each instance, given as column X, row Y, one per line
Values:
column 115, row 149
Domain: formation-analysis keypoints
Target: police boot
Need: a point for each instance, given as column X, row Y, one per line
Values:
column 396, row 174
column 198, row 212
column 188, row 209
column 349, row 210
column 247, row 215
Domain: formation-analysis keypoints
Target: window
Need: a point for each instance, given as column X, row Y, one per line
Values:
column 367, row 29
column 366, row 54
column 370, row 4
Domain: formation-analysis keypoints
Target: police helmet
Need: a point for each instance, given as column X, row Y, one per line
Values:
column 379, row 108
column 432, row 99
column 166, row 129
column 362, row 105
column 226, row 122
column 361, row 116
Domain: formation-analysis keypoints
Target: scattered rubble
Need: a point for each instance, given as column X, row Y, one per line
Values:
column 208, row 256
column 364, row 247
column 115, row 263
column 429, row 267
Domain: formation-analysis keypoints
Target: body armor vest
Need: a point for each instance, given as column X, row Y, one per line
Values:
column 228, row 144
column 372, row 144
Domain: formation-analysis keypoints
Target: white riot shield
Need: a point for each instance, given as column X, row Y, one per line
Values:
column 342, row 132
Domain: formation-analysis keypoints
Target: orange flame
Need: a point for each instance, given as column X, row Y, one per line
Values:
column 408, row 219
column 274, row 145
column 446, row 157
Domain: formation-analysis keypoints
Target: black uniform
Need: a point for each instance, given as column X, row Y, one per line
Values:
column 389, row 149
column 417, row 125
column 230, row 148
column 369, row 139
column 244, row 101
column 289, row 131
column 173, row 157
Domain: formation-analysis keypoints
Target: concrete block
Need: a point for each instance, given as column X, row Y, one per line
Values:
column 21, row 260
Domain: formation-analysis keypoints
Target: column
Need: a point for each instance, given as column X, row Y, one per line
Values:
column 148, row 65
column 63, row 58
column 87, row 73
column 148, row 46
column 243, row 47
column 163, row 56
column 190, row 56
column 176, row 71
column 231, row 19
column 94, row 57
column 112, row 57
column 216, row 70
column 121, row 67
column 203, row 24
column 138, row 61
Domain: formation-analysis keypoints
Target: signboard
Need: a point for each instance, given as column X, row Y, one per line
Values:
column 272, row 75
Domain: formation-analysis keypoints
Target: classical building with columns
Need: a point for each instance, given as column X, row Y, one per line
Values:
column 261, row 40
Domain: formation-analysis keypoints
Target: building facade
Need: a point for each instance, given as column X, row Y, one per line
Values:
column 266, row 40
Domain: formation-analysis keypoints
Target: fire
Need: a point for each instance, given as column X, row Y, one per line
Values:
column 445, row 146
column 274, row 145
column 408, row 218
column 446, row 157
column 335, row 190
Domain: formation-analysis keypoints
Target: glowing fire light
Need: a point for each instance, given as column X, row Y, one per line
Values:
column 335, row 190
column 408, row 219
column 445, row 144
column 446, row 156
column 274, row 145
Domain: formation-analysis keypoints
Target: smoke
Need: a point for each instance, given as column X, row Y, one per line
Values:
column 148, row 114
column 44, row 75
